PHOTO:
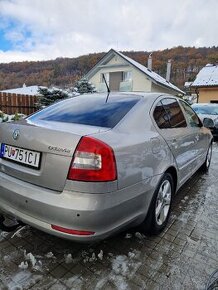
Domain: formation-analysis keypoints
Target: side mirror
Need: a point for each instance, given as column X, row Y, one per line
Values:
column 208, row 123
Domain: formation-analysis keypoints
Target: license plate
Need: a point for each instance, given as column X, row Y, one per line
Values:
column 20, row 155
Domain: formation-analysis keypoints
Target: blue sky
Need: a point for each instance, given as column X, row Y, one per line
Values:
column 47, row 29
column 12, row 35
column 4, row 44
column 5, row 26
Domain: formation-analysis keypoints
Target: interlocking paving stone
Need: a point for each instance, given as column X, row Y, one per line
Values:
column 183, row 256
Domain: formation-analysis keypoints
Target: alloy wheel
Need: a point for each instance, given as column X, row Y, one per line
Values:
column 163, row 202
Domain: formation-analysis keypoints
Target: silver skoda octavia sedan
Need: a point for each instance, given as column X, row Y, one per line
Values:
column 86, row 167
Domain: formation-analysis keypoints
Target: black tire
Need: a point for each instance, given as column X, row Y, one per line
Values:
column 160, row 207
column 206, row 164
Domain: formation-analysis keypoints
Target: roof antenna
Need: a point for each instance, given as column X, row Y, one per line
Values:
column 108, row 90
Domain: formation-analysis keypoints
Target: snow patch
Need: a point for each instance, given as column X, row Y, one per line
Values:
column 100, row 255
column 68, row 258
column 128, row 236
column 74, row 282
column 23, row 265
column 3, row 235
column 23, row 280
column 139, row 236
column 49, row 255
column 30, row 258
column 123, row 268
column 94, row 257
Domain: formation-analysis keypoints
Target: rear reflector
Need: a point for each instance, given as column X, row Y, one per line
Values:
column 93, row 161
column 72, row 232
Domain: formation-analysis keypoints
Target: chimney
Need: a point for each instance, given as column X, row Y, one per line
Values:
column 150, row 61
column 169, row 63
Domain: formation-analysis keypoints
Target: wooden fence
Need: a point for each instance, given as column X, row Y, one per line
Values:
column 15, row 103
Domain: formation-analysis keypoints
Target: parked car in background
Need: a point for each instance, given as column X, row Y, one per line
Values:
column 208, row 111
column 87, row 167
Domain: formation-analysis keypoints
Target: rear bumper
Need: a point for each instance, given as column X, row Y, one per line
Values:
column 103, row 214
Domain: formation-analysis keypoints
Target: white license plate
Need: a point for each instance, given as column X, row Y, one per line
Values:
column 20, row 155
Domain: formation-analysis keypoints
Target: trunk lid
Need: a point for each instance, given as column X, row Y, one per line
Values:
column 56, row 143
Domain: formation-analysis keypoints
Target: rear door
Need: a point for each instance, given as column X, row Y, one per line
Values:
column 180, row 137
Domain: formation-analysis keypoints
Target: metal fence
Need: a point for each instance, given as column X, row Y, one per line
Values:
column 14, row 103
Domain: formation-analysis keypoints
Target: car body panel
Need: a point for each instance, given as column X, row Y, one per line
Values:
column 103, row 213
column 56, row 153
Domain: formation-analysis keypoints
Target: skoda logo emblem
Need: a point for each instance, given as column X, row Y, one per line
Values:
column 16, row 134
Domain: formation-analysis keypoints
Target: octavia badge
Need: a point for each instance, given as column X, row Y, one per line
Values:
column 16, row 134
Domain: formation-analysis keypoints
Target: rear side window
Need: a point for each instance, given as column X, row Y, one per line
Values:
column 160, row 116
column 168, row 114
column 88, row 110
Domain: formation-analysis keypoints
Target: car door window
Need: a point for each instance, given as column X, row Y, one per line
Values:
column 160, row 116
column 192, row 118
column 174, row 112
column 168, row 114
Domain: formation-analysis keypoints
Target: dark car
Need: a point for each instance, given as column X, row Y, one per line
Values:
column 208, row 113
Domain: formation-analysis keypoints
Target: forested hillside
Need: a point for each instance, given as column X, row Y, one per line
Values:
column 62, row 72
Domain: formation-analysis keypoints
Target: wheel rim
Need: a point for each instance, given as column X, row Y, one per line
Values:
column 209, row 153
column 163, row 202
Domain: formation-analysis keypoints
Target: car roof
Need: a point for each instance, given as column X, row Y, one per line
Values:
column 144, row 95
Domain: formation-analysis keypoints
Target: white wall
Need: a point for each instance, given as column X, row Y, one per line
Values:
column 139, row 80
column 159, row 89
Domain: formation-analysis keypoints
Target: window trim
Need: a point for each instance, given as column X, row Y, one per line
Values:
column 187, row 121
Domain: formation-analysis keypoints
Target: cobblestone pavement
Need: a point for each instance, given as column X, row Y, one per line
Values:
column 182, row 257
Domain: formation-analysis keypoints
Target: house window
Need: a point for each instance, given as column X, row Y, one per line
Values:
column 106, row 75
column 127, row 76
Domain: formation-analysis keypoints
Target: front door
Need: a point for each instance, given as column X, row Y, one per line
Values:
column 115, row 80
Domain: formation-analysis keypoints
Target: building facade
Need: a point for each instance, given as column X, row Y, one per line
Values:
column 124, row 74
column 206, row 84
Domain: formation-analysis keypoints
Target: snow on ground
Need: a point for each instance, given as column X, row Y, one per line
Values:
column 33, row 268
column 9, row 118
column 123, row 267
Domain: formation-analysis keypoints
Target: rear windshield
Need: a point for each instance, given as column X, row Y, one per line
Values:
column 88, row 110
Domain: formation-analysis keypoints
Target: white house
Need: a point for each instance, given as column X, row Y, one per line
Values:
column 125, row 74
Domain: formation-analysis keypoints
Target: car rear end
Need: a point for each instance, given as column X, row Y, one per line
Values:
column 59, row 175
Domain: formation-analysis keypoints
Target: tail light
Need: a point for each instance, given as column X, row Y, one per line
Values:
column 93, row 160
column 71, row 231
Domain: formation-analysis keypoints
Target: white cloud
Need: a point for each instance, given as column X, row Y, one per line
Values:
column 47, row 29
column 13, row 56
